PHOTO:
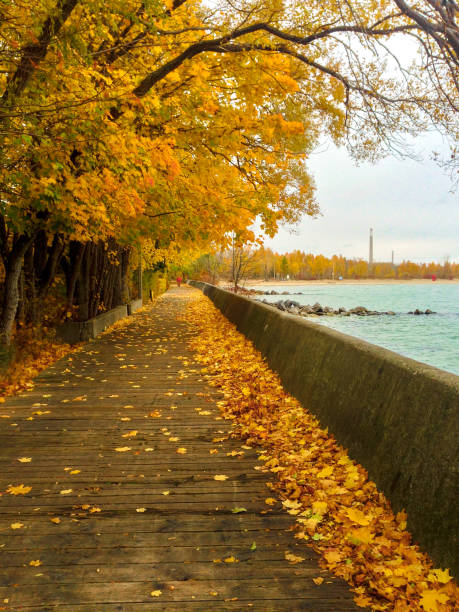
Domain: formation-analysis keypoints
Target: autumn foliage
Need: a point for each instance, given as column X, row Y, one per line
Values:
column 174, row 124
column 339, row 512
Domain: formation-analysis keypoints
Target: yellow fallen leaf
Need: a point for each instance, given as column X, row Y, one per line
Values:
column 156, row 593
column 291, row 504
column 174, row 439
column 220, row 477
column 326, row 472
column 357, row 516
column 95, row 509
column 55, row 520
column 123, row 449
column 293, row 558
column 319, row 507
column 35, row 563
column 361, row 535
column 181, row 451
column 431, row 599
column 318, row 580
column 75, row 471
column 333, row 556
column 270, row 501
column 231, row 559
column 65, row 491
column 149, row 449
column 165, row 492
column 140, row 509
column 439, row 575
column 18, row 490
column 17, row 525
column 25, row 459
column 130, row 434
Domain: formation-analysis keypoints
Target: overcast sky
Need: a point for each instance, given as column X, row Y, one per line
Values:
column 408, row 204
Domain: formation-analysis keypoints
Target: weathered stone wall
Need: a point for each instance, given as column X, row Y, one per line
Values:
column 134, row 306
column 75, row 331
column 396, row 416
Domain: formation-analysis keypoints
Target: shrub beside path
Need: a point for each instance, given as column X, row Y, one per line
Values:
column 122, row 490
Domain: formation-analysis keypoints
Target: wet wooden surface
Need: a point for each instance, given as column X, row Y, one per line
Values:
column 102, row 529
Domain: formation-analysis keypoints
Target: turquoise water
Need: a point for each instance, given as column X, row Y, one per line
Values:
column 432, row 339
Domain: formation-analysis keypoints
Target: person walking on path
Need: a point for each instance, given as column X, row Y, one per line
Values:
column 179, row 280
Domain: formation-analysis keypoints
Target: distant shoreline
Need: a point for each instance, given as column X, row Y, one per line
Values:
column 348, row 281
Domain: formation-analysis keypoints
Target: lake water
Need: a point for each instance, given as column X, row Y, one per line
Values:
column 432, row 339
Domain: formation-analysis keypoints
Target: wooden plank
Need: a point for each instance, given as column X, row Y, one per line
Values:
column 113, row 557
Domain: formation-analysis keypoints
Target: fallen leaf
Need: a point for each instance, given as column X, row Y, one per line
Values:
column 220, row 477
column 130, row 434
column 431, row 599
column 35, row 563
column 357, row 516
column 18, row 490
column 140, row 509
column 326, row 472
column 293, row 558
column 238, row 510
column 25, row 459
column 75, row 471
column 270, row 501
column 123, row 449
column 65, row 491
column 439, row 575
column 181, row 451
column 156, row 593
column 231, row 559
column 55, row 520
column 318, row 580
column 17, row 525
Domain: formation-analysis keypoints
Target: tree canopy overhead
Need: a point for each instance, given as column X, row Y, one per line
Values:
column 183, row 121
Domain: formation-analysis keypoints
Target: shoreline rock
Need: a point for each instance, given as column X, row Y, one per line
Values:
column 317, row 310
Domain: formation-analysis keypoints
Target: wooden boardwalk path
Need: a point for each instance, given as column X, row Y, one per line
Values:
column 147, row 528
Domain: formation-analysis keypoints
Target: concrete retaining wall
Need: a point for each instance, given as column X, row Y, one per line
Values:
column 133, row 306
column 396, row 416
column 75, row 331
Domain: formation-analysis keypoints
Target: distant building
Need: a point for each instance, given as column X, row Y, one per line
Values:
column 370, row 256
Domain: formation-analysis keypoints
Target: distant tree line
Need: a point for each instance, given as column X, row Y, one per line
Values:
column 265, row 264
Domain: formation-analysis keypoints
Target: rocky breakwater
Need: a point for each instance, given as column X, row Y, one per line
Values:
column 317, row 310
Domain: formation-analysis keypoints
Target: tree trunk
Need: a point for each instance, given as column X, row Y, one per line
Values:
column 13, row 266
column 72, row 269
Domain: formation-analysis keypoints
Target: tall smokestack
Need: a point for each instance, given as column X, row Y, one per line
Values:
column 370, row 257
column 392, row 257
